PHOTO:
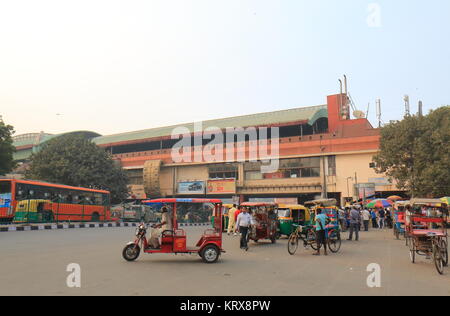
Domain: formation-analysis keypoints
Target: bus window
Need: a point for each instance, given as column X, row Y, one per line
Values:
column 5, row 187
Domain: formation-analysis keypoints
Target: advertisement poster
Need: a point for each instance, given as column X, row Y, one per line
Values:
column 222, row 186
column 365, row 190
column 5, row 200
column 191, row 187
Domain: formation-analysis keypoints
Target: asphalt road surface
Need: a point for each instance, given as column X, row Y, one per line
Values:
column 35, row 263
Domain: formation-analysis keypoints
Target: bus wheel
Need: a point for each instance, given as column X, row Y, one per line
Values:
column 95, row 217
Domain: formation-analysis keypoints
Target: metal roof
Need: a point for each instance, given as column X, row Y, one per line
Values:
column 310, row 114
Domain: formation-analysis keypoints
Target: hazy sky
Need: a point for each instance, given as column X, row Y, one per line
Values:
column 114, row 66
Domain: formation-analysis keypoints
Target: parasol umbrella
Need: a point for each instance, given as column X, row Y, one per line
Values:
column 379, row 203
column 394, row 198
column 446, row 200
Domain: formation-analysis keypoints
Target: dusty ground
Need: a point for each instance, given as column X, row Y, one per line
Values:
column 34, row 263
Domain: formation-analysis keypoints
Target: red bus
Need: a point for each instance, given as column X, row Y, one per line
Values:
column 66, row 203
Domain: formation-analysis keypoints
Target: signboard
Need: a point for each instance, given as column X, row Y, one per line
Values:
column 227, row 186
column 380, row 181
column 191, row 187
column 365, row 190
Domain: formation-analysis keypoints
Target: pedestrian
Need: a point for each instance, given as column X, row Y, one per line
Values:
column 381, row 215
column 366, row 219
column 231, row 219
column 342, row 219
column 243, row 223
column 321, row 222
column 236, row 214
column 355, row 220
column 374, row 218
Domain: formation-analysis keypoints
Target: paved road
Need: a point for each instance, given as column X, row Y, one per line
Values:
column 34, row 263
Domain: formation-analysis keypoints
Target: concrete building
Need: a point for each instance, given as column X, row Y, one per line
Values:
column 321, row 151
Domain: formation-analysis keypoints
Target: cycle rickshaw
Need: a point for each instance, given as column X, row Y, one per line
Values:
column 427, row 231
column 266, row 222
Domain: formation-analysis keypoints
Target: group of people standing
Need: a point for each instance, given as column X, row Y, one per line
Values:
column 354, row 219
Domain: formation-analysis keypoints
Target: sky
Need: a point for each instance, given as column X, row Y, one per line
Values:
column 116, row 66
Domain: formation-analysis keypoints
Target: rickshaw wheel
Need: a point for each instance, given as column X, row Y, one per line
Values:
column 131, row 252
column 292, row 244
column 311, row 237
column 412, row 253
column 444, row 248
column 210, row 254
column 438, row 259
column 273, row 239
column 334, row 241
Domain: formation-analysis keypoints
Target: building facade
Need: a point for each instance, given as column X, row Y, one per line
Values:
column 320, row 152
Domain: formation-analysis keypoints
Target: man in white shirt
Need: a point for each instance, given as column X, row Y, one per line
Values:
column 243, row 223
column 366, row 218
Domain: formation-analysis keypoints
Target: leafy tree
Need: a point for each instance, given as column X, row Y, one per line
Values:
column 416, row 153
column 6, row 148
column 76, row 161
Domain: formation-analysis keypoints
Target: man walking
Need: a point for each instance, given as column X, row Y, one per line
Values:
column 243, row 223
column 381, row 214
column 355, row 220
column 321, row 222
column 231, row 219
column 374, row 218
column 366, row 219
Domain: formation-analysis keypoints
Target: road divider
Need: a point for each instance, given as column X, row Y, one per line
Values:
column 31, row 227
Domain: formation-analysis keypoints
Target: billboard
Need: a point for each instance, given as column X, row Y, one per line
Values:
column 5, row 200
column 365, row 190
column 227, row 186
column 191, row 187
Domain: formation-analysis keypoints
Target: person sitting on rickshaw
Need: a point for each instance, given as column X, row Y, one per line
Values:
column 166, row 224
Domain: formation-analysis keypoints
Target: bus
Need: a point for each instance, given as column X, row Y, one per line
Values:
column 58, row 203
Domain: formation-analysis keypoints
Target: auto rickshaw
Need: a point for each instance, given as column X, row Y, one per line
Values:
column 426, row 228
column 266, row 222
column 332, row 229
column 33, row 211
column 209, row 246
column 290, row 215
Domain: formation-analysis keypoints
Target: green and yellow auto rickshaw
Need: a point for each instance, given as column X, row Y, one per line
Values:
column 33, row 211
column 290, row 215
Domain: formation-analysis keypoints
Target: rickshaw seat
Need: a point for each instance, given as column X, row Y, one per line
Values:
column 426, row 232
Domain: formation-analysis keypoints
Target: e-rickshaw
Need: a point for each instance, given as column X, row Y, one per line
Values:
column 225, row 219
column 399, row 218
column 265, row 218
column 427, row 231
column 209, row 247
column 290, row 217
column 332, row 229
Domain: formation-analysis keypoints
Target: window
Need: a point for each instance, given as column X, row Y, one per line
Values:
column 5, row 187
column 331, row 165
column 223, row 171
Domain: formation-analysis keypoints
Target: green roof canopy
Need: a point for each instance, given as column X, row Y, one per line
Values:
column 309, row 114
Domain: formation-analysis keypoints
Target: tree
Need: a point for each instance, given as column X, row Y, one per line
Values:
column 6, row 148
column 416, row 153
column 76, row 161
